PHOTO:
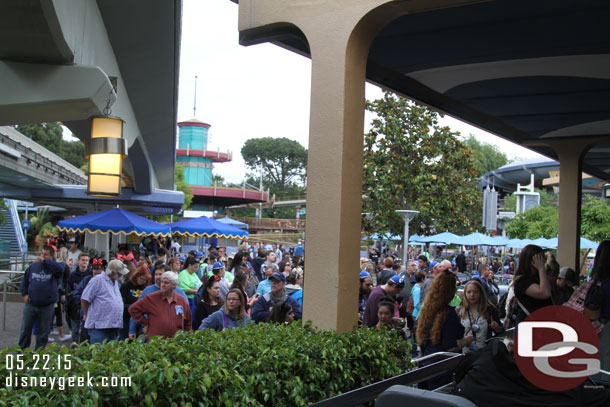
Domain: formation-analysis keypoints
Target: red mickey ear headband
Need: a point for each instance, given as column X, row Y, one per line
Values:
column 128, row 257
column 97, row 262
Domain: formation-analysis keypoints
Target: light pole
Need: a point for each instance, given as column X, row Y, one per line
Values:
column 407, row 215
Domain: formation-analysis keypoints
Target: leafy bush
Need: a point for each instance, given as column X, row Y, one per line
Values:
column 259, row 365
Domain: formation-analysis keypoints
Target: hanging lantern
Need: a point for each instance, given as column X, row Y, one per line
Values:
column 107, row 148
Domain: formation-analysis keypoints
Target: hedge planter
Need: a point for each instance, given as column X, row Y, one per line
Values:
column 261, row 365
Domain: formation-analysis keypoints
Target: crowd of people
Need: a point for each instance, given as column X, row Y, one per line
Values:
column 156, row 295
column 143, row 296
column 422, row 300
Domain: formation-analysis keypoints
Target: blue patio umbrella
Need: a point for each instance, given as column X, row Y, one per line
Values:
column 518, row 243
column 588, row 244
column 585, row 244
column 229, row 221
column 445, row 237
column 116, row 221
column 476, row 238
column 500, row 241
column 544, row 243
column 206, row 227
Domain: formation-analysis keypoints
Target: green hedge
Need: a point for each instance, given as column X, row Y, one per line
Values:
column 255, row 366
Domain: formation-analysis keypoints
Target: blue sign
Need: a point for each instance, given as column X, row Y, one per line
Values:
column 26, row 224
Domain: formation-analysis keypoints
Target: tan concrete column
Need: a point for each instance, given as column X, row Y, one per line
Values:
column 339, row 34
column 570, row 193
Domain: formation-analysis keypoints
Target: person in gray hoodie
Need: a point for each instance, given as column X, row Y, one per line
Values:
column 39, row 288
column 232, row 315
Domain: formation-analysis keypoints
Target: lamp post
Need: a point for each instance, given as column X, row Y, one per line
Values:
column 407, row 215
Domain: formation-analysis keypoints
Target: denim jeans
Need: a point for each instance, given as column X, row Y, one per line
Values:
column 101, row 335
column 31, row 313
column 76, row 325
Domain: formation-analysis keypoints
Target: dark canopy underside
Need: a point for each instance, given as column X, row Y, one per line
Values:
column 523, row 70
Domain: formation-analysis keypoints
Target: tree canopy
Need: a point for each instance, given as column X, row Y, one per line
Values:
column 411, row 162
column 49, row 135
column 283, row 161
column 486, row 157
column 595, row 219
column 542, row 221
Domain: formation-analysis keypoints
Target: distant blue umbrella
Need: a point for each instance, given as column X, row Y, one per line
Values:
column 518, row 243
column 233, row 222
column 500, row 241
column 544, row 243
column 445, row 237
column 476, row 238
column 588, row 244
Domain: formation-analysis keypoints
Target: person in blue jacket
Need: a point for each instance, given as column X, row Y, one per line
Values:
column 39, row 288
column 262, row 307
column 232, row 315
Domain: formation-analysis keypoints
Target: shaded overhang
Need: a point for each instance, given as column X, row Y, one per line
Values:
column 527, row 71
column 75, row 200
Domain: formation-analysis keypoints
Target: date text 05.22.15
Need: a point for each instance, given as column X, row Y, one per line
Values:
column 38, row 362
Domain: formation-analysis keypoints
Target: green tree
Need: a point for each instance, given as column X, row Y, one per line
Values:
column 283, row 161
column 50, row 136
column 411, row 162
column 540, row 221
column 181, row 185
column 595, row 219
column 486, row 157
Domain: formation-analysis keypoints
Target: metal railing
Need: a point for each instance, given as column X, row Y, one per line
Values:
column 273, row 223
column 12, row 279
column 21, row 242
column 448, row 361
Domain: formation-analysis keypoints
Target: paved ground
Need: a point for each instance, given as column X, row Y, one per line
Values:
column 10, row 336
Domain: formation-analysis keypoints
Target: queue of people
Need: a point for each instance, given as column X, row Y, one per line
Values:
column 132, row 297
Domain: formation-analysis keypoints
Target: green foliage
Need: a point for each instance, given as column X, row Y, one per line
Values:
column 540, row 221
column 486, row 157
column 411, row 162
column 260, row 365
column 282, row 160
column 181, row 185
column 49, row 135
column 595, row 219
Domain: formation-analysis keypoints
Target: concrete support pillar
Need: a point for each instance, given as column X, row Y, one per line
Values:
column 339, row 34
column 570, row 153
column 570, row 193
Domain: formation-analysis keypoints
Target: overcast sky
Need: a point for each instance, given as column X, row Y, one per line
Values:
column 257, row 91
